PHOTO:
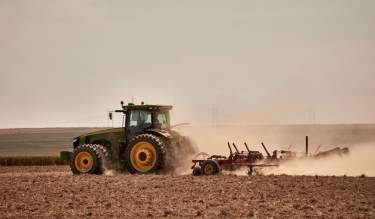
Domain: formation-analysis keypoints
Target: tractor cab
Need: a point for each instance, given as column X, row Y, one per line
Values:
column 144, row 118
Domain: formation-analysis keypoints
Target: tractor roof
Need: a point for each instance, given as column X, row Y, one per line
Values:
column 147, row 106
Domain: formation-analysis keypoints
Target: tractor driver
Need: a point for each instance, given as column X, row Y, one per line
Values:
column 157, row 124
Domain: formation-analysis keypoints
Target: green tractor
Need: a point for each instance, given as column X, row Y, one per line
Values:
column 143, row 145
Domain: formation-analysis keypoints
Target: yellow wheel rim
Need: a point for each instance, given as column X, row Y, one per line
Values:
column 84, row 161
column 143, row 156
column 226, row 167
column 208, row 169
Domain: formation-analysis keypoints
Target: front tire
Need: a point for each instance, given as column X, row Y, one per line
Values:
column 145, row 154
column 88, row 158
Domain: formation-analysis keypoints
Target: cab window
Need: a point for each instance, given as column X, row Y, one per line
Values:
column 161, row 119
column 139, row 120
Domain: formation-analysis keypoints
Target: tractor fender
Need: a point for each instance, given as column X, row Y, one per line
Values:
column 160, row 132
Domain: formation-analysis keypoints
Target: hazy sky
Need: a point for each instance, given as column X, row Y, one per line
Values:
column 64, row 63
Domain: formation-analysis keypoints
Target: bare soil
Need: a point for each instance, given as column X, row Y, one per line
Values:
column 54, row 192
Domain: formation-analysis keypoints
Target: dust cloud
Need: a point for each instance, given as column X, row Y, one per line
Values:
column 359, row 162
column 183, row 167
column 109, row 172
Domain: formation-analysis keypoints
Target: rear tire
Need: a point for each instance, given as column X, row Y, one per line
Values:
column 210, row 167
column 145, row 154
column 88, row 158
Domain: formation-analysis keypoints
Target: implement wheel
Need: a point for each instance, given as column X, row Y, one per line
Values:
column 226, row 167
column 88, row 158
column 197, row 171
column 145, row 153
column 210, row 167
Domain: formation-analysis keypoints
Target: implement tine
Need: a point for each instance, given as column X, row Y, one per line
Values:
column 230, row 149
column 236, row 148
column 266, row 150
column 317, row 149
column 238, row 153
column 247, row 148
column 289, row 147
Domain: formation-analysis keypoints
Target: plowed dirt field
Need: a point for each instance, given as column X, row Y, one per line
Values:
column 54, row 192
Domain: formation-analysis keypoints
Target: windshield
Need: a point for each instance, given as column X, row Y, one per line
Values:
column 139, row 120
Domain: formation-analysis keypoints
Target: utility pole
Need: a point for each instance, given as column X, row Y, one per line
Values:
column 312, row 115
column 215, row 116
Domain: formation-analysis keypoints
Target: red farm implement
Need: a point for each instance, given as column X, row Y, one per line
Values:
column 214, row 164
column 217, row 163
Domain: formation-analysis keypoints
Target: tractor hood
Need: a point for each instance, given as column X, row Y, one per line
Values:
column 101, row 132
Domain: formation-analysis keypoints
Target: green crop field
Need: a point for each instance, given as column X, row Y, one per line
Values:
column 31, row 160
